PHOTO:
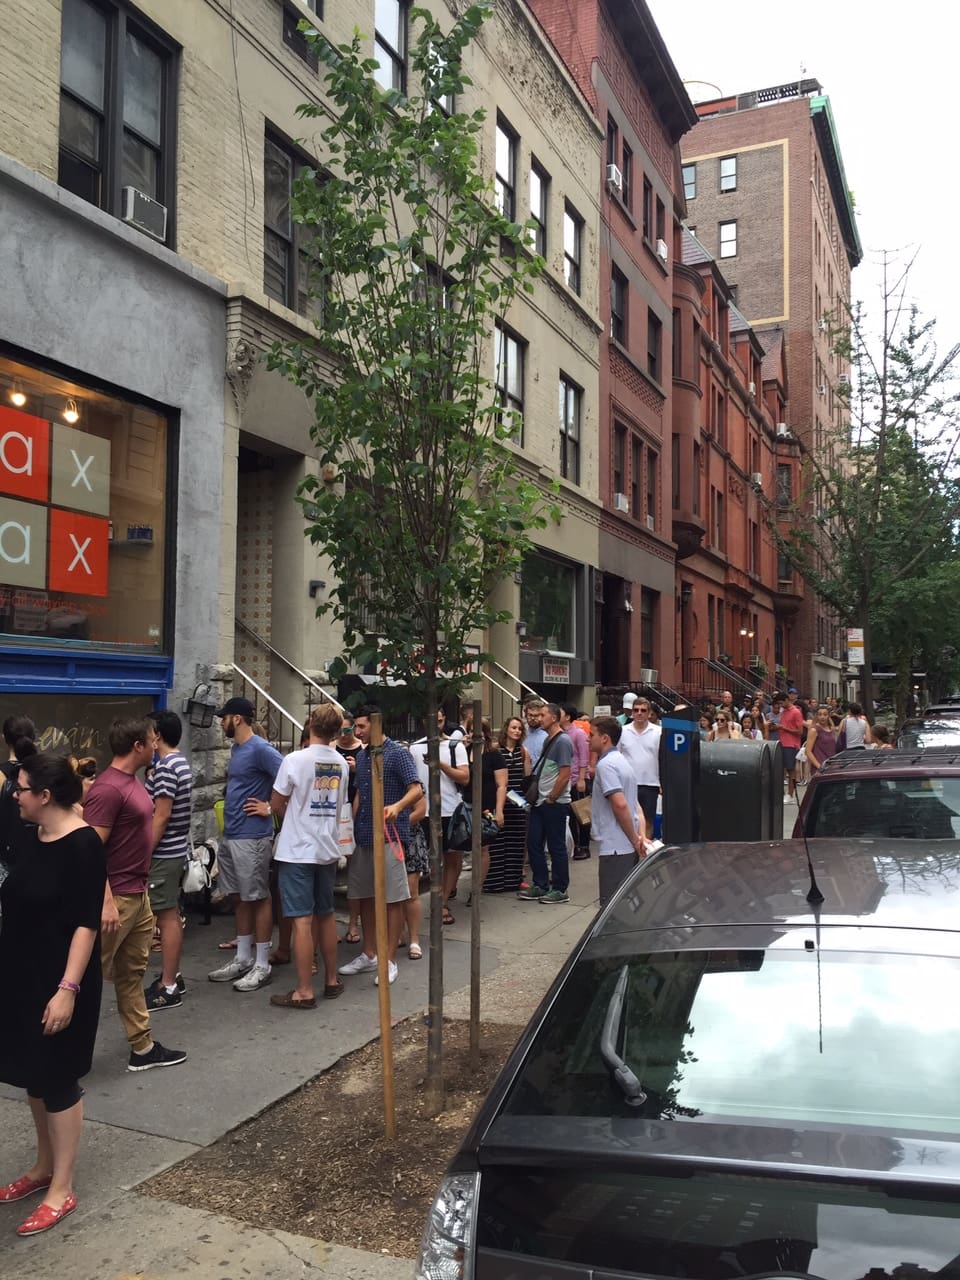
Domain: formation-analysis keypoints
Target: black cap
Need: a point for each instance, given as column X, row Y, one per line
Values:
column 238, row 707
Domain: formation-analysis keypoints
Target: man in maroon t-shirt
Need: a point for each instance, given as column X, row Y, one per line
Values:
column 791, row 731
column 120, row 810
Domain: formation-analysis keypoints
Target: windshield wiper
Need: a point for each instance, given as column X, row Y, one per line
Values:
column 626, row 1081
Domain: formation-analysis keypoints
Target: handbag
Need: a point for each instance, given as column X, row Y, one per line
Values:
column 345, row 838
column 460, row 831
column 201, row 868
column 531, row 791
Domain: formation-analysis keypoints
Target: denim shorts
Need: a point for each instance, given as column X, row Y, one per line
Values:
column 306, row 889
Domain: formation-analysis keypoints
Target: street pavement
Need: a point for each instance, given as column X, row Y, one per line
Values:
column 243, row 1056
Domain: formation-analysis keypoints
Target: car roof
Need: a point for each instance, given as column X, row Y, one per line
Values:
column 895, row 762
column 696, row 889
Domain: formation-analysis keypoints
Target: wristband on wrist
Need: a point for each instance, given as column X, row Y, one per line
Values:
column 64, row 985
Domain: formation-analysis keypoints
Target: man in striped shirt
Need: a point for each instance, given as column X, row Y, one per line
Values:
column 171, row 788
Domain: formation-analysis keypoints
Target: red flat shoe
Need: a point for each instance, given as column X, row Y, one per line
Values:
column 22, row 1188
column 46, row 1216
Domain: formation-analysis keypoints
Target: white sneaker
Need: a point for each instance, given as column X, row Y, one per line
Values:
column 359, row 964
column 392, row 972
column 231, row 970
column 258, row 977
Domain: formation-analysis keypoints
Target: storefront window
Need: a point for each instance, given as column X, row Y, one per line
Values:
column 548, row 600
column 78, row 723
column 83, row 478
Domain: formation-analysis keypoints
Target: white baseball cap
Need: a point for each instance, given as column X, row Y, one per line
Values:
column 629, row 699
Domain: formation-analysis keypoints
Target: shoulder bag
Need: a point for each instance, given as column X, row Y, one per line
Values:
column 532, row 790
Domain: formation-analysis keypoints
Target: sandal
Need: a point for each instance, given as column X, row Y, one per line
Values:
column 227, row 946
column 46, row 1216
column 290, row 1001
column 331, row 993
column 279, row 957
column 22, row 1187
column 414, row 952
column 351, row 936
column 449, row 917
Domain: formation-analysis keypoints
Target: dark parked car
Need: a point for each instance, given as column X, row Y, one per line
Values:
column 929, row 733
column 901, row 794
column 949, row 710
column 747, row 1068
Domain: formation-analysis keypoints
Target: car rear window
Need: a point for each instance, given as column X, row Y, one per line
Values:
column 911, row 808
column 767, row 1036
column 714, row 1226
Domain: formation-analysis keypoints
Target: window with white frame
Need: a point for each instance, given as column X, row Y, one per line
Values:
column 390, row 44
column 509, row 353
column 572, row 247
column 728, row 173
column 728, row 239
column 571, row 397
column 689, row 172
column 506, row 169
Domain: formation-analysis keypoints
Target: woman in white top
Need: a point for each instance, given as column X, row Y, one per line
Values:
column 726, row 728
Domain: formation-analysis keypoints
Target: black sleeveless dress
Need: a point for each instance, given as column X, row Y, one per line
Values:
column 52, row 890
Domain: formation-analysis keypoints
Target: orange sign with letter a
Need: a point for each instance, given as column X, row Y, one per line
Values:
column 79, row 547
column 24, row 455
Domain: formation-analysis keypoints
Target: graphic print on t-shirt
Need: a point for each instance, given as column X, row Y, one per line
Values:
column 324, row 798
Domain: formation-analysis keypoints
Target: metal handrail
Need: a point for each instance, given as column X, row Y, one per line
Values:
column 238, row 622
column 266, row 697
column 507, row 672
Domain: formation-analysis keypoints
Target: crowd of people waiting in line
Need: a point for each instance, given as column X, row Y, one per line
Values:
column 91, row 863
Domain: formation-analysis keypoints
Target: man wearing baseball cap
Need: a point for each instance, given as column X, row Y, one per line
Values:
column 628, row 700
column 244, row 852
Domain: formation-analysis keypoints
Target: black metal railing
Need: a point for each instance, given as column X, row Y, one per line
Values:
column 272, row 721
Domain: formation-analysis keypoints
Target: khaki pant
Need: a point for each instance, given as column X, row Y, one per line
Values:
column 124, row 957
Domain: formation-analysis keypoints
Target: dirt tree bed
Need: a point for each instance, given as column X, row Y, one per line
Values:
column 317, row 1164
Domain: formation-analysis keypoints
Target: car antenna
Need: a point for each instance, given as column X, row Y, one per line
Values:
column 815, row 898
column 814, row 895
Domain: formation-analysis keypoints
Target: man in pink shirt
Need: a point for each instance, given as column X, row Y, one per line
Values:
column 791, row 732
column 579, row 774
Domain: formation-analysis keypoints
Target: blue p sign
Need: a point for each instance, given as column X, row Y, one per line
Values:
column 678, row 742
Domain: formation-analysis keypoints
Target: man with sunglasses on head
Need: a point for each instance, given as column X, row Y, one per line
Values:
column 640, row 743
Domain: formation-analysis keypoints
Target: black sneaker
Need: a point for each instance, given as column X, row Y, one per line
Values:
column 181, row 985
column 158, row 997
column 158, row 1056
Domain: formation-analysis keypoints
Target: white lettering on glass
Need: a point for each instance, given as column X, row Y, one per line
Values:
column 81, row 471
column 24, row 531
column 79, row 558
column 27, row 468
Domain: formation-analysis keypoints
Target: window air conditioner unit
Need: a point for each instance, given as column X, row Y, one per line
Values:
column 621, row 502
column 753, row 661
column 614, row 178
column 822, row 389
column 662, row 251
column 823, row 324
column 752, row 388
column 757, row 479
column 783, row 431
column 648, row 675
column 651, row 523
column 147, row 215
column 843, row 380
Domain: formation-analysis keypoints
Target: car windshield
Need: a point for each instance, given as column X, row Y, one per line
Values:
column 775, row 1035
column 930, row 733
column 910, row 808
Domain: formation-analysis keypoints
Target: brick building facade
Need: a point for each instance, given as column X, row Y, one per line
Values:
column 767, row 195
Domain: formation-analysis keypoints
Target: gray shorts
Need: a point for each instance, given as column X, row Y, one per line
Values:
column 245, row 868
column 360, row 875
column 614, row 868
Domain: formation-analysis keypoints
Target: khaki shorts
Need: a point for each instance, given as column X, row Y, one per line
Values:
column 164, row 884
column 360, row 875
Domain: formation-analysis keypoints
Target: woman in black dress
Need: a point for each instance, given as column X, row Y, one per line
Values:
column 509, row 850
column 52, row 901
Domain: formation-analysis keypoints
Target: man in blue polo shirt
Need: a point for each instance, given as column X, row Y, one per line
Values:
column 244, row 852
column 401, row 791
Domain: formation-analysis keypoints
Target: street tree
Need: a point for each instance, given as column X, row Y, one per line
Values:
column 411, row 262
column 879, row 493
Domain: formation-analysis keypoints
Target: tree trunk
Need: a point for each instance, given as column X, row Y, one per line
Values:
column 433, row 1087
column 903, row 685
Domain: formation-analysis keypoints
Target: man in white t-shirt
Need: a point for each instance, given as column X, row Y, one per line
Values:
column 615, row 811
column 640, row 743
column 310, row 795
column 454, row 774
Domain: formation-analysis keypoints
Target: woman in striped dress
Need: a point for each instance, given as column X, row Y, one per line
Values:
column 509, row 850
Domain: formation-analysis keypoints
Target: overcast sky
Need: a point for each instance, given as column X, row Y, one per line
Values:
column 889, row 71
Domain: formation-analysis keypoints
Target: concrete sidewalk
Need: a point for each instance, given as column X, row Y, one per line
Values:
column 243, row 1056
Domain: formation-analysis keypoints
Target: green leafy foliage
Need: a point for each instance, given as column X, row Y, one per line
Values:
column 413, row 264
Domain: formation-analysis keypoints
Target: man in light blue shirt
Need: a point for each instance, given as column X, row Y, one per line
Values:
column 615, row 815
column 536, row 734
column 244, row 853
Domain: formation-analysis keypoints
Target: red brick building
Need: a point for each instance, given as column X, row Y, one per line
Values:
column 729, row 454
column 767, row 195
column 615, row 53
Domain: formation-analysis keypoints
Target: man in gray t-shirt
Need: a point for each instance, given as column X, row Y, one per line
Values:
column 615, row 813
column 547, row 820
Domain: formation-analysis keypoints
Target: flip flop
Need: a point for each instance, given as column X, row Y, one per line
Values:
column 275, row 957
column 227, row 946
column 449, row 917
column 351, row 937
column 414, row 951
column 289, row 1001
